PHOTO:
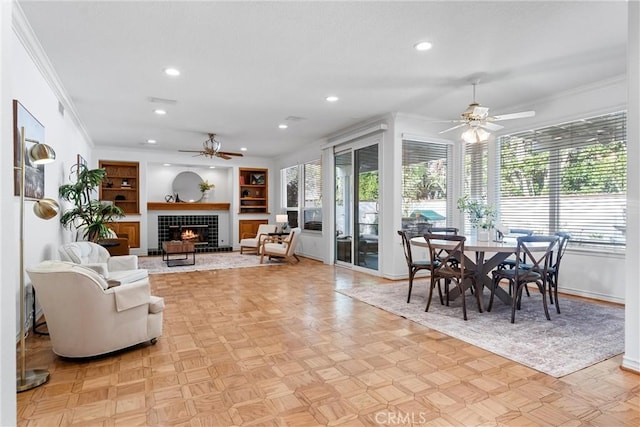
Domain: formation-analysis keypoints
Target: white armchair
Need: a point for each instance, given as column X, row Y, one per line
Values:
column 85, row 317
column 252, row 243
column 281, row 247
column 123, row 268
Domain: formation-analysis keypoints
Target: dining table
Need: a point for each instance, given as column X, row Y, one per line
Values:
column 487, row 256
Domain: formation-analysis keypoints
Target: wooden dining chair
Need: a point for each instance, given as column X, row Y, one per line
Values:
column 536, row 271
column 413, row 266
column 443, row 248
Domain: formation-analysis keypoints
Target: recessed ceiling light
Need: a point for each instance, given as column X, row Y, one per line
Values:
column 172, row 72
column 160, row 112
column 243, row 149
column 283, row 126
column 332, row 98
column 166, row 164
column 151, row 141
column 212, row 167
column 422, row 46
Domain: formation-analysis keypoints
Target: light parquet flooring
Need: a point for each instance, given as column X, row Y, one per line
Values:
column 278, row 347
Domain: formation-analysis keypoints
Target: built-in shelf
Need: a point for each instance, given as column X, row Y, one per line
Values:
column 163, row 206
column 254, row 193
column 121, row 185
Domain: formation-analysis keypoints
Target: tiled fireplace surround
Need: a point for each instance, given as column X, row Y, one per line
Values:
column 164, row 232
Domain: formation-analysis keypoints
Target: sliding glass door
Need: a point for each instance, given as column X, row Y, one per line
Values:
column 357, row 207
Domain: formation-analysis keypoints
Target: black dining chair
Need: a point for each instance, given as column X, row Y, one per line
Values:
column 510, row 263
column 536, row 271
column 413, row 266
column 554, row 270
column 443, row 248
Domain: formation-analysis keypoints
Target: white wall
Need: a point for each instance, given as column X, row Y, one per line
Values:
column 162, row 178
column 22, row 78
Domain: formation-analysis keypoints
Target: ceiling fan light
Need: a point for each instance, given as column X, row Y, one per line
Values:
column 475, row 135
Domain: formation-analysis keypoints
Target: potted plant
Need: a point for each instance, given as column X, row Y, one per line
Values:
column 87, row 213
column 481, row 216
column 205, row 187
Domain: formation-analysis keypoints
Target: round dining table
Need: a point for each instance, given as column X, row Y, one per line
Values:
column 488, row 255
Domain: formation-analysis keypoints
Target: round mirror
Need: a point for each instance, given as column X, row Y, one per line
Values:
column 186, row 187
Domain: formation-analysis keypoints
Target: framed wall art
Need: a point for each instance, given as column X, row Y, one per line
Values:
column 24, row 122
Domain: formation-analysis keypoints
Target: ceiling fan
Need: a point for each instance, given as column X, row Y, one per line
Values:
column 211, row 148
column 477, row 119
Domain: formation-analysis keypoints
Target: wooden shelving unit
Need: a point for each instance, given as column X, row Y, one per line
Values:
column 254, row 190
column 122, row 185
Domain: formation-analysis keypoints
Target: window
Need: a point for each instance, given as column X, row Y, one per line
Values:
column 570, row 177
column 290, row 194
column 424, row 184
column 475, row 176
column 311, row 194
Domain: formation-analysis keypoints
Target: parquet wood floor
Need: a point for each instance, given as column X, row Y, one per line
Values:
column 276, row 346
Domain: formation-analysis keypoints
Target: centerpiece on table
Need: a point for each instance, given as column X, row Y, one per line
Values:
column 481, row 216
column 205, row 188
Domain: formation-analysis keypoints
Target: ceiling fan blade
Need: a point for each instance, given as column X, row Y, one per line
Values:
column 479, row 111
column 455, row 127
column 510, row 116
column 223, row 156
column 191, row 151
column 227, row 153
column 491, row 126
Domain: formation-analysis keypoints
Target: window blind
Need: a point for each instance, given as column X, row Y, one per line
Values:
column 569, row 177
column 475, row 176
column 312, row 209
column 425, row 184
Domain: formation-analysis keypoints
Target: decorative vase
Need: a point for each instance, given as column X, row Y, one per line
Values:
column 482, row 235
column 205, row 195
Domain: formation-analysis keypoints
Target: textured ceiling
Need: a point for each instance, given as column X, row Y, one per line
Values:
column 248, row 66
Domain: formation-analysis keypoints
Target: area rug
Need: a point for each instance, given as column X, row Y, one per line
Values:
column 583, row 334
column 206, row 261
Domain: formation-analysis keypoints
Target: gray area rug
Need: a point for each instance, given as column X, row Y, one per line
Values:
column 583, row 334
column 205, row 261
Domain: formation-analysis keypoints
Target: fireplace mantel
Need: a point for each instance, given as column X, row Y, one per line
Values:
column 184, row 206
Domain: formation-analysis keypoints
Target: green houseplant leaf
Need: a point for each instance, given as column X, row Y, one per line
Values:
column 87, row 212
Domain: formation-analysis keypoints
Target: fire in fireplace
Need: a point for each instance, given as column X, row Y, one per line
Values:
column 198, row 234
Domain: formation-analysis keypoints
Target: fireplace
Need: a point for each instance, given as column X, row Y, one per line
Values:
column 198, row 234
column 202, row 230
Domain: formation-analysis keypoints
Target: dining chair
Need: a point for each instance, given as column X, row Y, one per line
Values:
column 442, row 248
column 536, row 271
column 452, row 231
column 413, row 266
column 554, row 270
column 510, row 262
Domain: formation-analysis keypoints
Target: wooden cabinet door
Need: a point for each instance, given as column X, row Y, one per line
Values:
column 249, row 227
column 132, row 228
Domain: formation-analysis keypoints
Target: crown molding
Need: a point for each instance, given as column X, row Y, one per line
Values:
column 31, row 44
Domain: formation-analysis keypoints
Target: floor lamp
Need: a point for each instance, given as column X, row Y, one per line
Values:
column 39, row 154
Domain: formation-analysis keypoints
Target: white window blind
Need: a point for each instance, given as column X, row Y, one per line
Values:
column 425, row 184
column 570, row 177
column 475, row 176
column 312, row 209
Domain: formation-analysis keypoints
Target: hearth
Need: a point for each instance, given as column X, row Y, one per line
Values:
column 202, row 230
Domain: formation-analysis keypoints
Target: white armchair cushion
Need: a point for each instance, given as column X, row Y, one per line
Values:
column 123, row 262
column 123, row 268
column 254, row 243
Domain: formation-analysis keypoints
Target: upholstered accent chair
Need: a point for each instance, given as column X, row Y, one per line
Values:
column 86, row 317
column 281, row 246
column 249, row 243
column 123, row 269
